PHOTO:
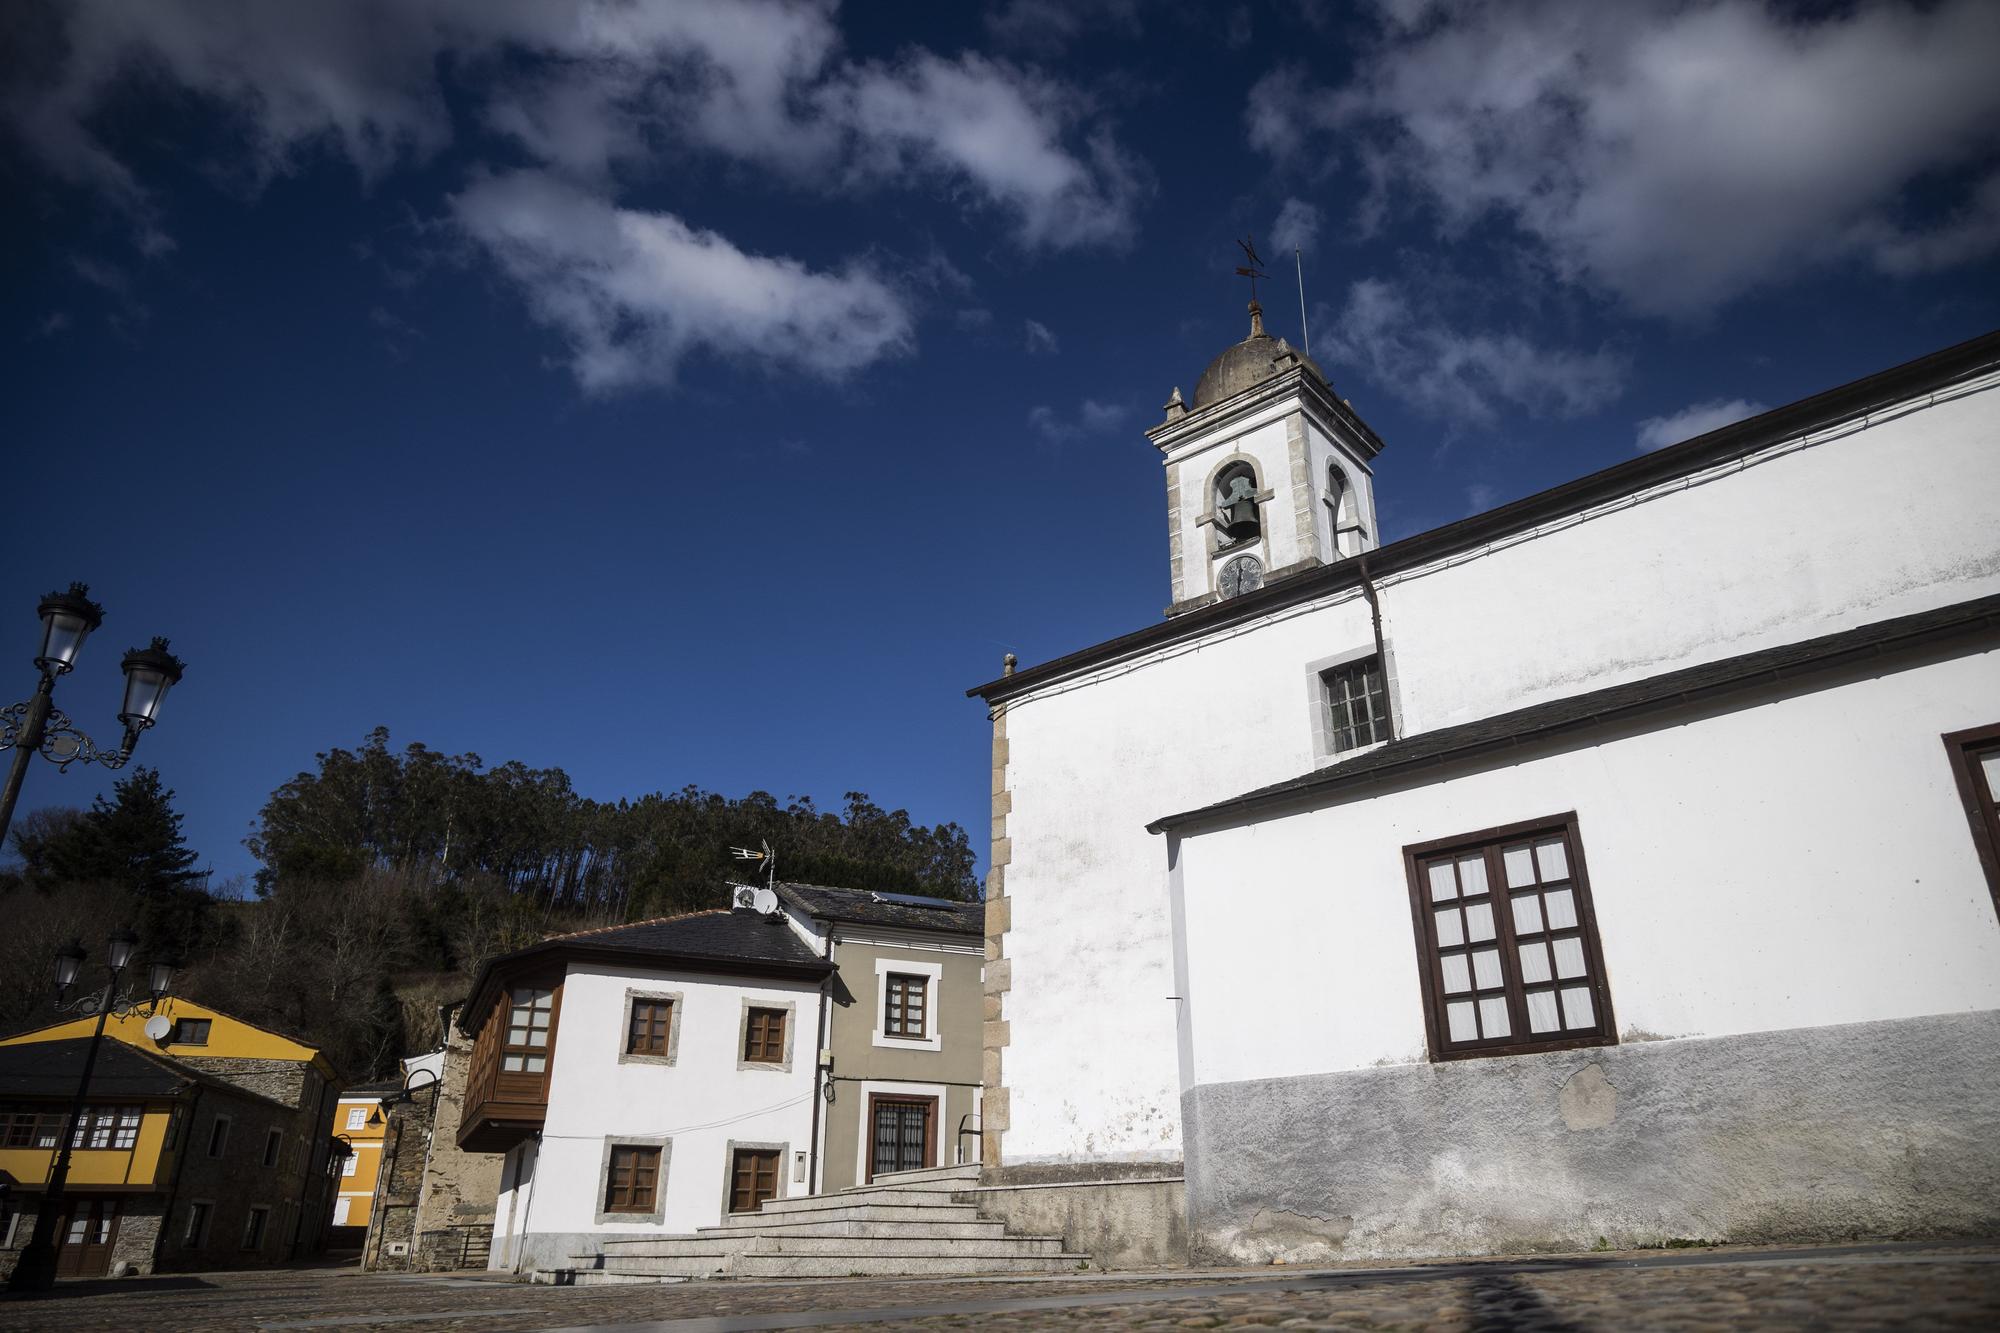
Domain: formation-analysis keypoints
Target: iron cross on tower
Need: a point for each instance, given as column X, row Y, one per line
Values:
column 1255, row 268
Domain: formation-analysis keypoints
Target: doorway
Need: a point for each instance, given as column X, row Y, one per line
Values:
column 83, row 1245
column 902, row 1133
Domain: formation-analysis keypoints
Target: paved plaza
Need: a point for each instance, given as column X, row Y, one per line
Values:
column 1871, row 1286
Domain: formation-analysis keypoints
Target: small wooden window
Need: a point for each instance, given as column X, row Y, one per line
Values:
column 189, row 1032
column 530, row 1015
column 274, row 1143
column 1975, row 763
column 218, row 1136
column 196, row 1234
column 647, row 1032
column 1357, row 701
column 904, row 1005
column 764, row 1037
column 632, row 1180
column 753, row 1178
column 253, row 1228
column 1508, row 942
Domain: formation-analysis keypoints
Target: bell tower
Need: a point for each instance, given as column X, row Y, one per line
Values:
column 1267, row 473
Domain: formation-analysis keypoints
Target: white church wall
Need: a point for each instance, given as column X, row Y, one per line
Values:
column 1797, row 863
column 700, row 1104
column 1863, row 527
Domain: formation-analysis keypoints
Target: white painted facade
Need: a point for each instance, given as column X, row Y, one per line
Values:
column 698, row 1107
column 1887, row 515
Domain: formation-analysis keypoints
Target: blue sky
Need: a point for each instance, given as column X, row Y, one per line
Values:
column 710, row 393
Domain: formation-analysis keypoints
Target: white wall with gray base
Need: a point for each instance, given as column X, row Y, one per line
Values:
column 1884, row 1129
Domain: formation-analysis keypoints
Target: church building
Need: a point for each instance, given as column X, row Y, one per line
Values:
column 1615, row 867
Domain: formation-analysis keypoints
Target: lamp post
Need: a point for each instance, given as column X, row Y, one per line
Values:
column 36, row 1270
column 68, row 618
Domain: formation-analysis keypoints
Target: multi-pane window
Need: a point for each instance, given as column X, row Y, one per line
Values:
column 357, row 1117
column 631, row 1180
column 190, row 1032
column 1508, row 942
column 350, row 1164
column 30, row 1126
column 1357, row 702
column 529, row 1016
column 106, row 1127
column 646, row 1034
column 764, row 1037
column 900, row 1135
column 1975, row 761
column 753, row 1178
column 903, row 1005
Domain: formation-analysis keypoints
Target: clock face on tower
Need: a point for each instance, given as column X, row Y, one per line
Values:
column 1243, row 574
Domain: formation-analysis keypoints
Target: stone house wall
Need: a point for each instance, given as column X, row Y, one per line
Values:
column 454, row 1217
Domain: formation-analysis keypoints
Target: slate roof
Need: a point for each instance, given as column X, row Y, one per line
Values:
column 51, row 1069
column 865, row 907
column 722, row 940
column 1976, row 356
column 1689, row 685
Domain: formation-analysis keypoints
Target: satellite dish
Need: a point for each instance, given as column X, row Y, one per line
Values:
column 159, row 1026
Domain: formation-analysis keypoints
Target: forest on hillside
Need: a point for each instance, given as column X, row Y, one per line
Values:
column 387, row 877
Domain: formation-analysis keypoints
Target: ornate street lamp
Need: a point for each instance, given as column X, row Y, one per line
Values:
column 68, row 618
column 36, row 1270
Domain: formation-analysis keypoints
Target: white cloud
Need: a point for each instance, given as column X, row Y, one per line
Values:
column 634, row 293
column 1297, row 226
column 1673, row 153
column 1040, row 339
column 1445, row 370
column 585, row 90
column 1092, row 418
column 1697, row 419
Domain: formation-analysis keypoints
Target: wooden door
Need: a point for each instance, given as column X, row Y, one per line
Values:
column 902, row 1133
column 83, row 1245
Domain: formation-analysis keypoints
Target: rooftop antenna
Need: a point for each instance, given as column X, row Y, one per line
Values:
column 767, row 858
column 1255, row 269
column 1304, row 332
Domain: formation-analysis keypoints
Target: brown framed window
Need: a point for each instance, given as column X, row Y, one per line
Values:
column 753, row 1178
column 1357, row 701
column 646, row 1034
column 1507, row 942
column 274, row 1143
column 1975, row 763
column 632, row 1180
column 531, row 1012
column 764, row 1037
column 31, row 1126
column 190, row 1032
column 903, row 1005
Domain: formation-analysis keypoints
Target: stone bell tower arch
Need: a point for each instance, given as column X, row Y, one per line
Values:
column 1268, row 473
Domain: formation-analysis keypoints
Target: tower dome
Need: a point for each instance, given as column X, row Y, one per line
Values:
column 1247, row 363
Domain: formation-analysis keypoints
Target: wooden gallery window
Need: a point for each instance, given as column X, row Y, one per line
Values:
column 530, row 1015
column 1357, row 701
column 764, row 1037
column 753, row 1178
column 632, row 1181
column 904, row 997
column 647, row 1032
column 1975, row 762
column 1508, row 942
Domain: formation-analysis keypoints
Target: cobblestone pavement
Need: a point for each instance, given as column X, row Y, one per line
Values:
column 1851, row 1287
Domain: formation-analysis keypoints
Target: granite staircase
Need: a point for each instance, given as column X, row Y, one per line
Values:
column 909, row 1224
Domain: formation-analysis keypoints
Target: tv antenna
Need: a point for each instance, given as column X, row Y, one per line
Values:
column 767, row 859
column 1253, row 268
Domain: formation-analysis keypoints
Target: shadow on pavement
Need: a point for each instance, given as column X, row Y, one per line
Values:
column 99, row 1286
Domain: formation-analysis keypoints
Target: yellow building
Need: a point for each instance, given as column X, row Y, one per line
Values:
column 359, row 1123
column 206, row 1144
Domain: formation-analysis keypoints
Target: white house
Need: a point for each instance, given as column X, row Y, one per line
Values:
column 642, row 1079
column 1606, row 865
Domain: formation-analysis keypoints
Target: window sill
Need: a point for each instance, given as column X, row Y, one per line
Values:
column 934, row 1042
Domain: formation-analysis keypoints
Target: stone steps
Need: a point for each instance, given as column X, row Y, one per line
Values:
column 913, row 1223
